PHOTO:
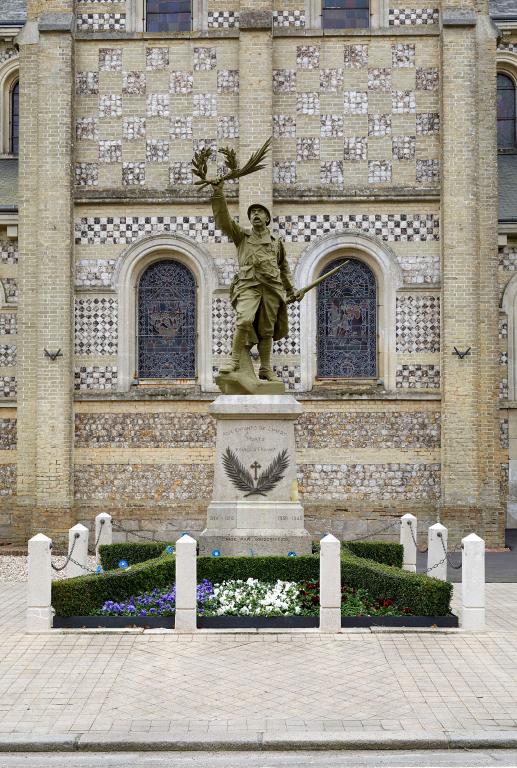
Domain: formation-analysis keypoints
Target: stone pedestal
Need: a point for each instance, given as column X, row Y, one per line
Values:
column 255, row 508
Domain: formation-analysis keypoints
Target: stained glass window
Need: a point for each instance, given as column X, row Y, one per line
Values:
column 168, row 16
column 345, row 14
column 15, row 119
column 347, row 322
column 505, row 112
column 167, row 322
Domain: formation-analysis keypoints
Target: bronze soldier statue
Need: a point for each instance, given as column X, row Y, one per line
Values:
column 261, row 289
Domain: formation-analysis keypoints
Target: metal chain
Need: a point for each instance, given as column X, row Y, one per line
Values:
column 100, row 534
column 84, row 567
column 392, row 524
column 69, row 556
column 428, row 570
column 132, row 533
column 451, row 564
column 422, row 551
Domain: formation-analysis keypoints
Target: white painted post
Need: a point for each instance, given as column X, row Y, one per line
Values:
column 103, row 532
column 330, row 584
column 186, row 583
column 473, row 582
column 39, row 597
column 78, row 534
column 436, row 551
column 408, row 528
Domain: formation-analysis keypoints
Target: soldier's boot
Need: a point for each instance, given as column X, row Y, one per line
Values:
column 266, row 372
column 239, row 340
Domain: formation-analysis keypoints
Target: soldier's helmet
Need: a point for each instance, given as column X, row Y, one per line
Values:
column 259, row 205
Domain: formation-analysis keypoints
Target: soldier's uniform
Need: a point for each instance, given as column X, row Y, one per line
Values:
column 259, row 290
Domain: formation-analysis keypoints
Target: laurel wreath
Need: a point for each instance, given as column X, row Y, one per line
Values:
column 241, row 478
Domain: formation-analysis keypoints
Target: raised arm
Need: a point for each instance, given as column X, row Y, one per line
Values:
column 223, row 220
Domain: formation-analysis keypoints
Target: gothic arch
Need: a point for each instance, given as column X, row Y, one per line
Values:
column 9, row 75
column 133, row 263
column 388, row 275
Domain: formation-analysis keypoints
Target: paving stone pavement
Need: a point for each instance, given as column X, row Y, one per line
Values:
column 222, row 684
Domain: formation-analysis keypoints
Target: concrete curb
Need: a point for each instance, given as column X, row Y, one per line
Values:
column 260, row 740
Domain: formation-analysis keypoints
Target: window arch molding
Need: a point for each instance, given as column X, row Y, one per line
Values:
column 509, row 307
column 9, row 76
column 132, row 265
column 388, row 276
column 506, row 64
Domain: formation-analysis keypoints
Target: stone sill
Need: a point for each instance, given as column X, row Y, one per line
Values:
column 400, row 31
column 288, row 192
column 282, row 193
column 333, row 394
column 409, row 29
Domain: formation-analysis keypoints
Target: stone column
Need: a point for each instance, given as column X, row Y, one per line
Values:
column 46, row 250
column 39, row 586
column 469, row 274
column 436, row 551
column 186, row 584
column 255, row 99
column 408, row 532
column 473, row 582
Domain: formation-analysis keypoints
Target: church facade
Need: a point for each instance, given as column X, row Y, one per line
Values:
column 389, row 120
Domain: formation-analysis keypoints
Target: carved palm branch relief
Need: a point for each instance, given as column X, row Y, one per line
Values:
column 241, row 478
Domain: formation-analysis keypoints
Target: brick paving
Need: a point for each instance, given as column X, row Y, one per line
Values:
column 222, row 684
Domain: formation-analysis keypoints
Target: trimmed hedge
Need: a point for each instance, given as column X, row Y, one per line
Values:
column 423, row 595
column 132, row 551
column 137, row 552
column 386, row 552
column 84, row 595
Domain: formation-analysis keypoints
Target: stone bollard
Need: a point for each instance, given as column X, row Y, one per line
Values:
column 408, row 528
column 186, row 584
column 78, row 534
column 39, row 595
column 436, row 551
column 103, row 532
column 330, row 584
column 473, row 582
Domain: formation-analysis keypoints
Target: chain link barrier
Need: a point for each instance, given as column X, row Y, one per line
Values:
column 449, row 562
column 118, row 527
column 392, row 524
column 102, row 521
column 422, row 551
column 68, row 558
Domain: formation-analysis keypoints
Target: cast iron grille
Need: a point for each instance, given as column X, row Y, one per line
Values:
column 345, row 14
column 15, row 118
column 168, row 16
column 167, row 322
column 347, row 322
column 505, row 112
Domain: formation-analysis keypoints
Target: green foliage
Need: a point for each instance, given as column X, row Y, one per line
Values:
column 81, row 596
column 386, row 552
column 423, row 595
column 270, row 568
column 132, row 551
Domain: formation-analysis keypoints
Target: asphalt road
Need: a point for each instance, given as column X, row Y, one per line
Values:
column 499, row 566
column 323, row 759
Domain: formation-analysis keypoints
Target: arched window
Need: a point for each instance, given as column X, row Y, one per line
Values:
column 506, row 138
column 168, row 15
column 14, row 119
column 167, row 322
column 347, row 322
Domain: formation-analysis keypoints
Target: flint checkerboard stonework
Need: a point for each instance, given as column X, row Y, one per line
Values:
column 372, row 157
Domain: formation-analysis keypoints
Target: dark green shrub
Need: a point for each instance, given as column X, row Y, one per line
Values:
column 423, row 595
column 85, row 594
column 132, row 551
column 270, row 568
column 387, row 552
column 81, row 596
